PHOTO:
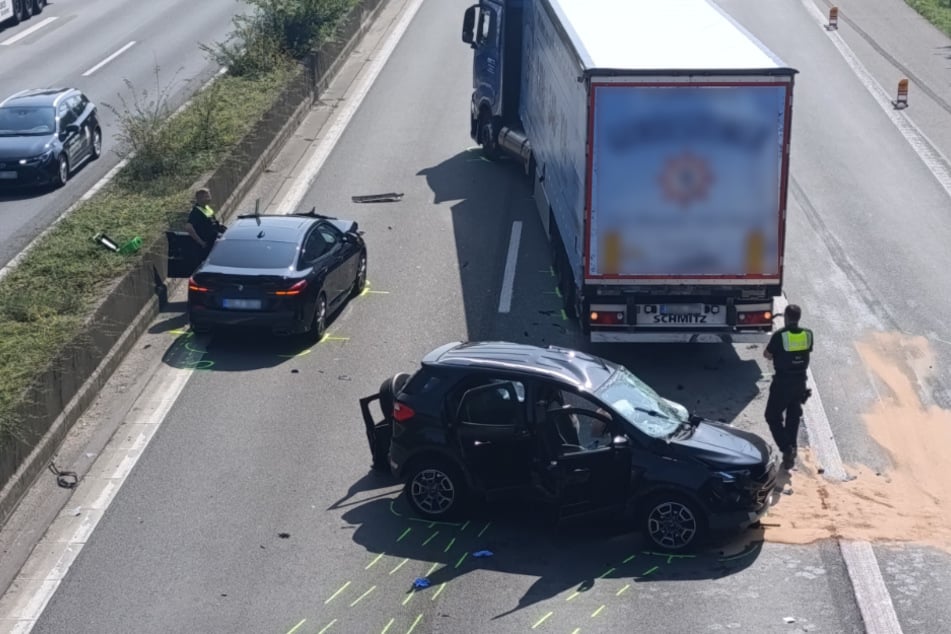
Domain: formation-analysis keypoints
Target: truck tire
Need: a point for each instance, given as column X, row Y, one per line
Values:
column 488, row 136
column 38, row 6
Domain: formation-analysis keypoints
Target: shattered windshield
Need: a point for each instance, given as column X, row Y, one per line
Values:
column 641, row 406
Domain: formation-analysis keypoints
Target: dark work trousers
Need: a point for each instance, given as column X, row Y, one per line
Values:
column 785, row 398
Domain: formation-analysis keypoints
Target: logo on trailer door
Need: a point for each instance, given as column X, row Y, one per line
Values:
column 686, row 179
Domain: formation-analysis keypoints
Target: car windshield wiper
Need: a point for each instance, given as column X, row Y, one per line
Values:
column 651, row 412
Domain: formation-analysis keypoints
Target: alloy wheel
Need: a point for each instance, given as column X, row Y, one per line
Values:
column 672, row 525
column 432, row 491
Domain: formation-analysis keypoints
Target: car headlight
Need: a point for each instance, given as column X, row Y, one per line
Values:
column 37, row 160
column 732, row 476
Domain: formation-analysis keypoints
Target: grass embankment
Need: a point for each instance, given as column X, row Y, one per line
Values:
column 47, row 299
column 938, row 12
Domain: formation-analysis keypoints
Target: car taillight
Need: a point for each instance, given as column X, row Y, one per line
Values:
column 196, row 287
column 402, row 412
column 296, row 289
column 755, row 319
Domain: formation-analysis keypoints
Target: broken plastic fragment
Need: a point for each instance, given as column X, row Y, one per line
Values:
column 789, row 619
column 421, row 582
column 482, row 553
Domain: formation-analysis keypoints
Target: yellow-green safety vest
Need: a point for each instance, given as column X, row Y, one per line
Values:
column 796, row 342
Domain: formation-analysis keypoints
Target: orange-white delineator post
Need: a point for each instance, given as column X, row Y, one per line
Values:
column 833, row 24
column 901, row 99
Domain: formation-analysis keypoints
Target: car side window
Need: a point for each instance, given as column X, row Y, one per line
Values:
column 66, row 116
column 499, row 402
column 314, row 247
column 78, row 106
column 572, row 422
column 330, row 235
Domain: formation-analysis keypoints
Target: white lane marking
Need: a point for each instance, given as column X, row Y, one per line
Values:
column 308, row 175
column 936, row 162
column 69, row 533
column 28, row 32
column 109, row 59
column 871, row 593
column 102, row 182
column 508, row 278
column 32, row 595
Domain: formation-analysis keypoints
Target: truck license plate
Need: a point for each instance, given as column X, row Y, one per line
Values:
column 242, row 304
column 666, row 315
column 8, row 175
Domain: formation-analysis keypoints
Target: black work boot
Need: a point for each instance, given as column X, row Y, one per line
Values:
column 789, row 458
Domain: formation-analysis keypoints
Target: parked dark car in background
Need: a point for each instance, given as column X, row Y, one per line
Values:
column 576, row 431
column 284, row 273
column 45, row 135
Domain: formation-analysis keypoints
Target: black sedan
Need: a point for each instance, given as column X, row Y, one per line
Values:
column 45, row 135
column 282, row 273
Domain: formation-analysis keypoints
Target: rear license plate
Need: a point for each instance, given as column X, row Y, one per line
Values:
column 242, row 304
column 665, row 315
column 8, row 175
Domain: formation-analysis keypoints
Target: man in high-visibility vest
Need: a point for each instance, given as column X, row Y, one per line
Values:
column 202, row 225
column 789, row 349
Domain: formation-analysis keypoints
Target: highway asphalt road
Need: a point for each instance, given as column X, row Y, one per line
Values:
column 67, row 44
column 265, row 442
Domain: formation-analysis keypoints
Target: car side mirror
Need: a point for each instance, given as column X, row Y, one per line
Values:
column 468, row 25
column 620, row 441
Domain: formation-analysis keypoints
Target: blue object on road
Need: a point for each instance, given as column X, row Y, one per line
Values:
column 482, row 553
column 421, row 582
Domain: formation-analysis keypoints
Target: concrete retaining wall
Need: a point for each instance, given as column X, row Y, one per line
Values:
column 73, row 380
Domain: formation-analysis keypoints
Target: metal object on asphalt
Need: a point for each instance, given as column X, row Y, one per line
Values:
column 901, row 99
column 391, row 197
column 833, row 24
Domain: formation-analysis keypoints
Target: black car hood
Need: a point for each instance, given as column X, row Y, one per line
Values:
column 721, row 446
column 19, row 147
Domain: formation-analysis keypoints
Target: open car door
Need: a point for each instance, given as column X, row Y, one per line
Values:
column 491, row 429
column 184, row 256
column 585, row 473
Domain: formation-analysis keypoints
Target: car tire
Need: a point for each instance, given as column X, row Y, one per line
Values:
column 318, row 325
column 27, row 10
column 96, row 150
column 388, row 391
column 62, row 171
column 435, row 489
column 38, row 6
column 672, row 522
column 360, row 281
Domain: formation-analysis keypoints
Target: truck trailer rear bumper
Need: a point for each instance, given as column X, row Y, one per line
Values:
column 679, row 337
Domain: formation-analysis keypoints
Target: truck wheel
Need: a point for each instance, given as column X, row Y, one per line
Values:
column 488, row 136
column 38, row 6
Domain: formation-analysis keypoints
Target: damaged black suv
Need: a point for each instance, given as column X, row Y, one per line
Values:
column 578, row 431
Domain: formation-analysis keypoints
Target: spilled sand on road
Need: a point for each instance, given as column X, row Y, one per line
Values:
column 909, row 502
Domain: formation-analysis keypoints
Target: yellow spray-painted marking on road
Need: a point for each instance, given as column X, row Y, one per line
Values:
column 607, row 572
column 408, row 597
column 564, row 315
column 484, row 529
column 296, row 627
column 327, row 627
column 439, row 590
column 576, row 630
column 430, row 538
column 334, row 595
column 200, row 365
column 376, row 559
column 461, row 559
column 541, row 620
column 362, row 596
column 597, row 612
column 649, row 571
column 386, row 628
column 415, row 623
column 405, row 533
column 622, row 590
column 432, row 568
column 399, row 565
column 464, row 526
column 449, row 545
column 628, row 559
